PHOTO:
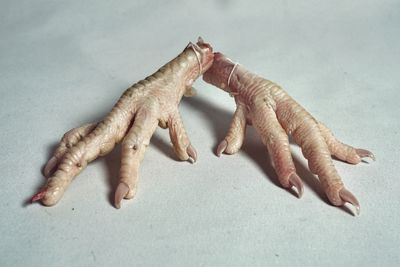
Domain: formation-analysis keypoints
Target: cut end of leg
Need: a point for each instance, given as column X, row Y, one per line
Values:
column 296, row 182
column 120, row 193
column 363, row 153
column 221, row 147
column 192, row 154
column 348, row 197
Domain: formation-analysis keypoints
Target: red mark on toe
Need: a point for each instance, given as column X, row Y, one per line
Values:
column 39, row 196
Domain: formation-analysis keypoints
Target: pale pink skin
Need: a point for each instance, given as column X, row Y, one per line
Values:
column 275, row 115
column 132, row 121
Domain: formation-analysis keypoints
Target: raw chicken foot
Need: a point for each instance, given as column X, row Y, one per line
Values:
column 275, row 115
column 133, row 120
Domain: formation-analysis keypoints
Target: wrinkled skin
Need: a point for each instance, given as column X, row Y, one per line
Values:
column 275, row 115
column 132, row 121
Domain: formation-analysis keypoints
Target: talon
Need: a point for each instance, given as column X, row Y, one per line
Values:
column 192, row 154
column 50, row 166
column 121, row 192
column 38, row 196
column 295, row 181
column 363, row 153
column 347, row 196
column 221, row 147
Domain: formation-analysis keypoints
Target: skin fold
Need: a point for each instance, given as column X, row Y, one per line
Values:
column 132, row 121
column 275, row 115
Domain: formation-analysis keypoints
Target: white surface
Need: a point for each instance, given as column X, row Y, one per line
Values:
column 63, row 64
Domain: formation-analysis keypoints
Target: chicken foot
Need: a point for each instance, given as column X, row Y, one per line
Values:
column 275, row 115
column 132, row 121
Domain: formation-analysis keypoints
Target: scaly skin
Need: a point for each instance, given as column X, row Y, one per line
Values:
column 133, row 120
column 275, row 115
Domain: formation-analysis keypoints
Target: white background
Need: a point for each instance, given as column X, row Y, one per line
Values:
column 63, row 64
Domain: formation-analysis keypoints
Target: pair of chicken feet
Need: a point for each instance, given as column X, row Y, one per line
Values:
column 133, row 120
column 275, row 115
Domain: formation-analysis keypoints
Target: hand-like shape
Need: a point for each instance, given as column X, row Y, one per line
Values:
column 133, row 121
column 275, row 115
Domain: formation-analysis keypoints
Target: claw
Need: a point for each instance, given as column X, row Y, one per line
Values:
column 50, row 166
column 192, row 154
column 221, row 147
column 38, row 196
column 347, row 196
column 363, row 153
column 120, row 193
column 295, row 181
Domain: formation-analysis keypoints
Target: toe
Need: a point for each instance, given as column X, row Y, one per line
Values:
column 222, row 147
column 348, row 197
column 363, row 153
column 120, row 193
column 296, row 182
column 191, row 153
column 51, row 164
